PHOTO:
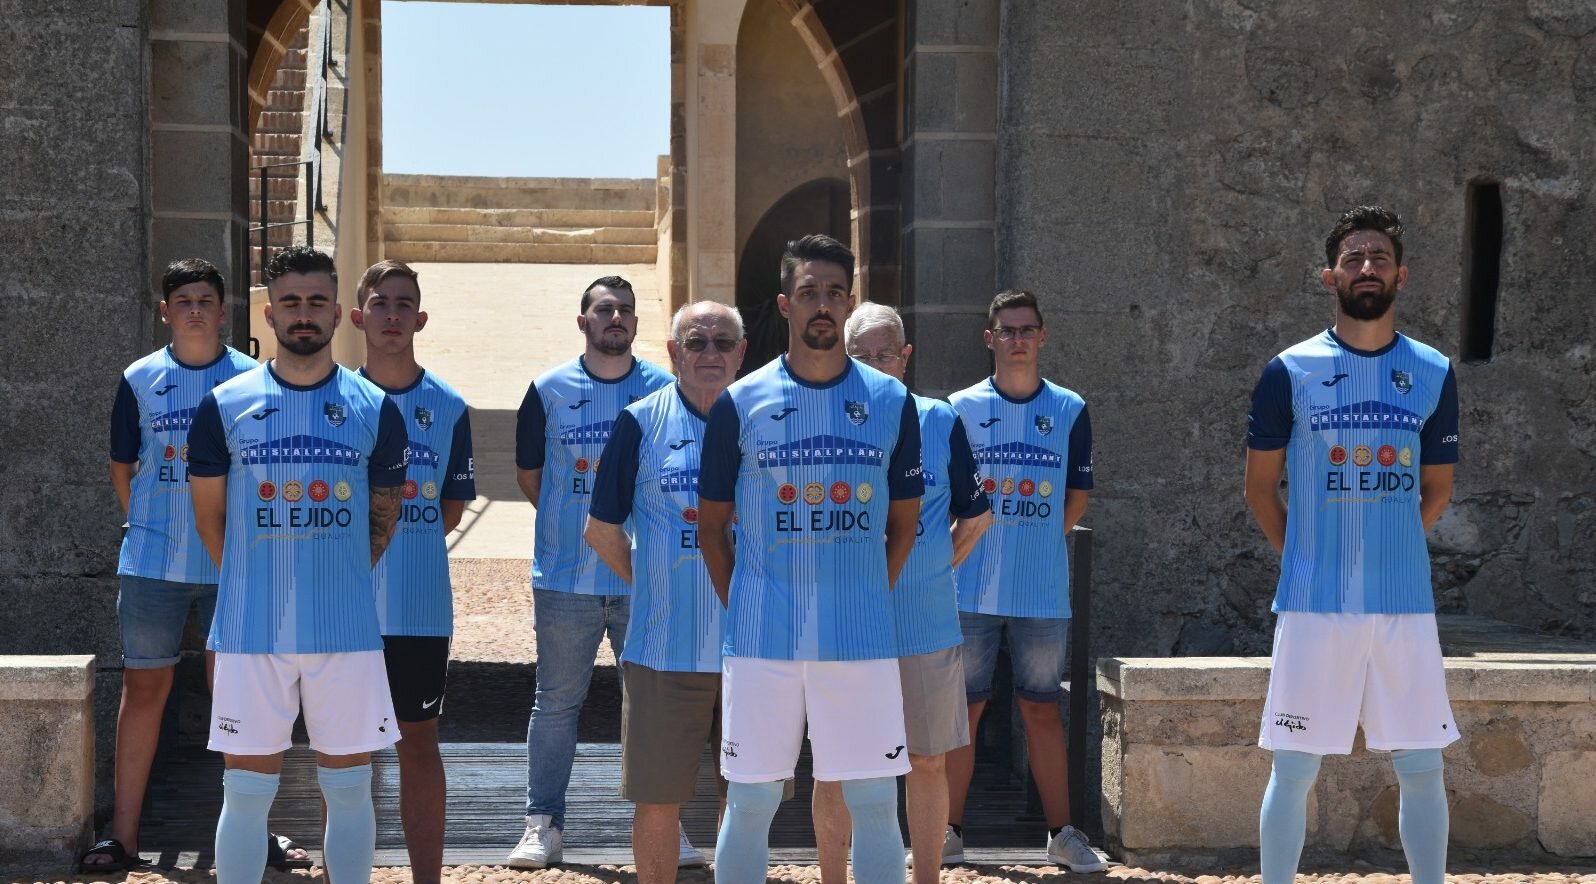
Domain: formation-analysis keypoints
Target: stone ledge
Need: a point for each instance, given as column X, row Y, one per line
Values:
column 46, row 677
column 1484, row 678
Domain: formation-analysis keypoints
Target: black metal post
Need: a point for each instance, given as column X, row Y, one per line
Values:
column 1080, row 663
column 265, row 223
column 311, row 178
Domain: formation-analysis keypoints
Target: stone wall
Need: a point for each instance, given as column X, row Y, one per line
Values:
column 1166, row 175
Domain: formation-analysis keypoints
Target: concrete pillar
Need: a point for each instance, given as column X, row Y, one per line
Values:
column 711, row 50
column 46, row 758
column 949, row 187
column 198, row 143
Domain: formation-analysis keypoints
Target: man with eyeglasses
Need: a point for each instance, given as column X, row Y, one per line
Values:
column 577, row 600
column 1033, row 441
column 671, row 665
column 953, row 514
column 818, row 459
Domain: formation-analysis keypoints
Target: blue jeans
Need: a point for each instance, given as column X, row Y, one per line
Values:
column 568, row 628
column 1036, row 651
column 151, row 613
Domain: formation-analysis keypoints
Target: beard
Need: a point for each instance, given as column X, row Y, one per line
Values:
column 1366, row 306
column 305, row 346
column 611, row 346
column 819, row 339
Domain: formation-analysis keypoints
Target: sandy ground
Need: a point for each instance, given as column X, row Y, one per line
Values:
column 493, row 612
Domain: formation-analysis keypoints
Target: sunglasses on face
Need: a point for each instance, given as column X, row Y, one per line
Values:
column 699, row 345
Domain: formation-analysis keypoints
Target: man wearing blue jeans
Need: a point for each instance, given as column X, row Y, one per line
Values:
column 577, row 600
column 1033, row 441
column 164, row 569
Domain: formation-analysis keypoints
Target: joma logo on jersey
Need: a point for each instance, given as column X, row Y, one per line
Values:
column 166, row 389
column 423, row 418
column 335, row 413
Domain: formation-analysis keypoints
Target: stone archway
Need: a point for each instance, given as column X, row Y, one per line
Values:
column 819, row 206
column 267, row 50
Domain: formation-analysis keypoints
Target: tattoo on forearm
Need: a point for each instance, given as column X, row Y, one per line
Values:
column 384, row 516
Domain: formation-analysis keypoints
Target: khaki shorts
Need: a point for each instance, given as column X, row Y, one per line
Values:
column 935, row 714
column 668, row 719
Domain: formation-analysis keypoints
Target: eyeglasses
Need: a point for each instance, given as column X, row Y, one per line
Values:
column 699, row 345
column 883, row 358
column 1008, row 333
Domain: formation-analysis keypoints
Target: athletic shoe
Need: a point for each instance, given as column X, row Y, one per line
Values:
column 540, row 844
column 952, row 847
column 1069, row 848
column 688, row 856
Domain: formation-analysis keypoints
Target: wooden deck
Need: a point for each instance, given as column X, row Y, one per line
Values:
column 487, row 792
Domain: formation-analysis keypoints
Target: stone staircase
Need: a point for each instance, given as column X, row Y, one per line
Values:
column 278, row 138
column 456, row 218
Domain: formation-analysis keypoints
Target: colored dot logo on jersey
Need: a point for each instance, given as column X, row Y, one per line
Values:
column 171, row 452
column 1046, row 488
column 1027, row 488
column 1008, row 484
column 989, row 484
column 596, row 462
column 690, row 516
column 814, row 493
column 319, row 490
column 1387, row 455
column 429, row 490
column 293, row 491
column 182, row 453
column 267, row 491
column 1362, row 456
column 342, row 491
column 581, row 465
column 1338, row 455
column 1405, row 457
column 410, row 489
column 787, row 493
column 864, row 492
column 841, row 493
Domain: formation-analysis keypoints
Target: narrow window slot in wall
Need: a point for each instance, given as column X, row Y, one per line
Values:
column 1482, row 269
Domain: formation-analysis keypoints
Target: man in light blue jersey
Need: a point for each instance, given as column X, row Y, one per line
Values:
column 1364, row 421
column 415, row 604
column 817, row 459
column 671, row 663
column 297, row 471
column 1033, row 441
column 560, row 431
column 953, row 515
column 164, row 570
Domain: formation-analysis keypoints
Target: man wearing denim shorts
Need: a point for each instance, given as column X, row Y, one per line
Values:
column 1033, row 441
column 163, row 568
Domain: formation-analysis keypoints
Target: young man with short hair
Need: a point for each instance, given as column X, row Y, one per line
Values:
column 297, row 472
column 415, row 604
column 1033, row 440
column 1365, row 421
column 164, row 569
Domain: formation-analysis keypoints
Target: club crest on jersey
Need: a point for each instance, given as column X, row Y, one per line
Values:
column 423, row 418
column 335, row 413
column 858, row 412
column 1044, row 424
column 1402, row 381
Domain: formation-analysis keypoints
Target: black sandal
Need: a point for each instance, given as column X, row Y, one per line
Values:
column 121, row 860
column 277, row 847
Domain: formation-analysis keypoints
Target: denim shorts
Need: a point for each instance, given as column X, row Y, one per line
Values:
column 151, row 614
column 1036, row 646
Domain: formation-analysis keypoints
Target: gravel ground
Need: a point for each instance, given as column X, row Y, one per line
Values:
column 811, row 875
column 493, row 612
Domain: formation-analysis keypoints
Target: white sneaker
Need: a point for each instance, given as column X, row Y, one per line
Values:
column 952, row 847
column 688, row 856
column 540, row 845
column 1069, row 848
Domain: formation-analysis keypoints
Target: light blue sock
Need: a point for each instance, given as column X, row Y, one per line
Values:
column 742, row 853
column 241, row 829
column 351, row 840
column 877, row 840
column 1423, row 816
column 1283, row 819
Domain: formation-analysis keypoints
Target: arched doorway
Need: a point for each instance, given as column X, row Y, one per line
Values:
column 819, row 206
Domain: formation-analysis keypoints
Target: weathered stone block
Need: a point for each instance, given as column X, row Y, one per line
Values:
column 957, row 351
column 46, row 757
column 957, row 23
column 1567, row 806
column 198, row 17
column 197, row 171
column 1193, row 796
column 1480, row 821
column 953, row 92
column 192, row 82
column 951, row 266
column 1498, row 748
column 952, row 180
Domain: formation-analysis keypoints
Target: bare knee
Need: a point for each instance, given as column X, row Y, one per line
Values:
column 1034, row 713
column 927, row 764
column 147, row 686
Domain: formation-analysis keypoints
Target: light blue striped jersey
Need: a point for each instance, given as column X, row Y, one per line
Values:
column 300, row 464
column 154, row 406
column 1356, row 426
column 650, row 476
column 925, row 605
column 1030, row 450
column 810, row 469
column 561, row 427
column 412, row 577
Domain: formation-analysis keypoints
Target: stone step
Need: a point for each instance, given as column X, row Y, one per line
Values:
column 521, row 253
column 289, row 100
column 642, row 218
column 469, row 192
column 289, row 79
column 293, row 60
column 469, row 233
column 280, row 143
column 278, row 123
